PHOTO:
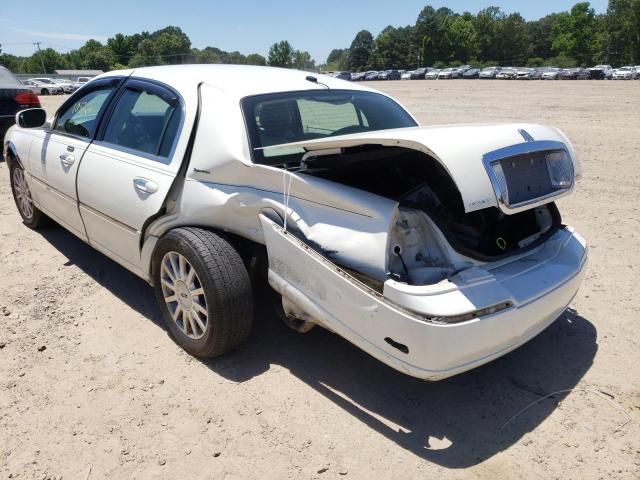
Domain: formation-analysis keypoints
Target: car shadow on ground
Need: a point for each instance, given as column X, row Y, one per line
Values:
column 456, row 423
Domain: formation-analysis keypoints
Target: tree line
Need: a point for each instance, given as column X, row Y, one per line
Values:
column 167, row 46
column 441, row 37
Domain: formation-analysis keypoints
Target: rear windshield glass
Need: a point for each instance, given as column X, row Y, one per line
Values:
column 277, row 119
column 7, row 79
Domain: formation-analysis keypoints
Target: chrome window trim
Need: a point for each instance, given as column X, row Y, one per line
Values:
column 489, row 159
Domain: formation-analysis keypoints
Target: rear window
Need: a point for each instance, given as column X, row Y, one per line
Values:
column 282, row 118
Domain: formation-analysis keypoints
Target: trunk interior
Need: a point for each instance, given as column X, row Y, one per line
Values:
column 418, row 182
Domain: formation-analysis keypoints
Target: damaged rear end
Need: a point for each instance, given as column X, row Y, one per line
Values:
column 476, row 258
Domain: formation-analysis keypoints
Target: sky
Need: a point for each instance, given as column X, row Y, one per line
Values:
column 317, row 26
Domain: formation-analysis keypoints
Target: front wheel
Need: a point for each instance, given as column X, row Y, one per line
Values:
column 31, row 216
column 203, row 290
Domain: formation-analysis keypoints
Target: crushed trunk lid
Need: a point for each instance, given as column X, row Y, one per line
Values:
column 462, row 150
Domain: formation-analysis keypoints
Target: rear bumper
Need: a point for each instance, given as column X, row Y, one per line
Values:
column 538, row 286
column 401, row 327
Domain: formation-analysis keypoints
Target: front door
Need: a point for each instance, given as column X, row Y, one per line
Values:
column 127, row 171
column 57, row 152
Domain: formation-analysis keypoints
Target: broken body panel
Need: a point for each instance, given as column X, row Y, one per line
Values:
column 460, row 313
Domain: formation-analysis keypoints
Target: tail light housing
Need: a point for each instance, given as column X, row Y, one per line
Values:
column 27, row 100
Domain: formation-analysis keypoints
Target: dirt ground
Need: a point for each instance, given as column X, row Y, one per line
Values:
column 92, row 387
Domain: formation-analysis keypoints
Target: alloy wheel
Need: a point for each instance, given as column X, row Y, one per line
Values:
column 23, row 194
column 184, row 295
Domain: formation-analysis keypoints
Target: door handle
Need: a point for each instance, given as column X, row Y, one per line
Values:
column 67, row 159
column 145, row 185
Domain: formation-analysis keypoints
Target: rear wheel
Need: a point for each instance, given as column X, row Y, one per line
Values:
column 44, row 91
column 203, row 290
column 31, row 216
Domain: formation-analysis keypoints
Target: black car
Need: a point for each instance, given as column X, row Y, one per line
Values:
column 418, row 74
column 575, row 74
column 471, row 73
column 390, row 75
column 14, row 96
column 342, row 75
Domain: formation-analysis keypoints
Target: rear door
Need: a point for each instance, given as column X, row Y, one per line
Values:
column 127, row 172
column 56, row 153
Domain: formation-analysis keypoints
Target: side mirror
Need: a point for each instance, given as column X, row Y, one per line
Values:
column 31, row 118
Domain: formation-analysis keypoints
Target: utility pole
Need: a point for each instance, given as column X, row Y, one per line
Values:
column 37, row 44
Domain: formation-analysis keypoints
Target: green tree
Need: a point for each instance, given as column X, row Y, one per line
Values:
column 541, row 36
column 462, row 37
column 171, row 44
column 395, row 49
column 303, row 61
column 431, row 29
column 622, row 32
column 487, row 25
column 146, row 55
column 513, row 40
column 584, row 33
column 361, row 50
column 121, row 48
column 281, row 54
column 256, row 59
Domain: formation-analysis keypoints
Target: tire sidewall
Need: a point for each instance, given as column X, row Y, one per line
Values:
column 173, row 243
column 32, row 221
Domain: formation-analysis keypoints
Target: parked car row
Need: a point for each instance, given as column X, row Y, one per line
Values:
column 54, row 86
column 599, row 72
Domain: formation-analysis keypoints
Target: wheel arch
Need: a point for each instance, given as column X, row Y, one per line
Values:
column 253, row 254
column 11, row 156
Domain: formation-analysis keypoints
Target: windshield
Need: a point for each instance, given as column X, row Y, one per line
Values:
column 280, row 118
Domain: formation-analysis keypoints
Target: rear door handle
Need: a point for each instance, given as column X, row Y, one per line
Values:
column 145, row 185
column 67, row 159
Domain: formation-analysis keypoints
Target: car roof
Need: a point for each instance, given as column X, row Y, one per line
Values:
column 237, row 80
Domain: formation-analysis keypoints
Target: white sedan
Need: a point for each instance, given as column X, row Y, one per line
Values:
column 65, row 85
column 40, row 88
column 432, row 254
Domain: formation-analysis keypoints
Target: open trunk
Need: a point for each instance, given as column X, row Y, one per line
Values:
column 431, row 206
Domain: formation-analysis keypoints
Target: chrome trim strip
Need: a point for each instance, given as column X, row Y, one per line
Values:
column 489, row 159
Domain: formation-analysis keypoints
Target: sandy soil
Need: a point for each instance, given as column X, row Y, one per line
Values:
column 91, row 386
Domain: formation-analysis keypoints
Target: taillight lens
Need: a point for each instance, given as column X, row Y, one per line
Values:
column 27, row 99
column 560, row 169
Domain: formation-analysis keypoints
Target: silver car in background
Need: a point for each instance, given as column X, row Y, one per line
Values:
column 625, row 73
column 551, row 74
column 489, row 72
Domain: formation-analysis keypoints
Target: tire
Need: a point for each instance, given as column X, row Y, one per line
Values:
column 218, row 286
column 44, row 91
column 31, row 216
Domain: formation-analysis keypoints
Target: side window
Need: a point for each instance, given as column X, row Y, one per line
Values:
column 80, row 118
column 144, row 121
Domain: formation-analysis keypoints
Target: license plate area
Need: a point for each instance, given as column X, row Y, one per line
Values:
column 526, row 177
